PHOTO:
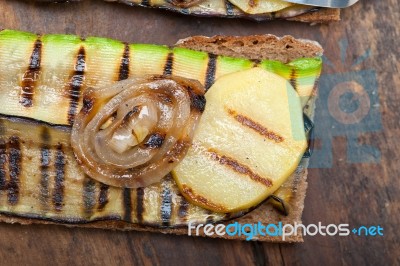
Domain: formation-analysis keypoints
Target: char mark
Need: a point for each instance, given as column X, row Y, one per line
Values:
column 245, row 121
column 293, row 79
column 155, row 140
column 229, row 8
column 309, row 129
column 124, row 66
column 211, row 69
column 15, row 170
column 201, row 200
column 239, row 168
column 139, row 204
column 256, row 62
column 89, row 195
column 183, row 209
column 58, row 195
column 127, row 205
column 197, row 101
column 210, row 217
column 76, row 85
column 31, row 75
column 169, row 64
column 88, row 104
column 166, row 203
column 103, row 197
column 45, row 158
column 145, row 3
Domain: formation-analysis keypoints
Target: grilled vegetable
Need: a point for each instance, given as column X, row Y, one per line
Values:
column 249, row 140
column 42, row 80
column 133, row 133
column 256, row 10
column 39, row 178
column 47, row 74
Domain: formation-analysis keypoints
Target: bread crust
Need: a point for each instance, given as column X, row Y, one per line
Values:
column 323, row 15
column 270, row 47
column 256, row 47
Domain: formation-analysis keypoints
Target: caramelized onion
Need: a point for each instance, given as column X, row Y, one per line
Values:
column 134, row 132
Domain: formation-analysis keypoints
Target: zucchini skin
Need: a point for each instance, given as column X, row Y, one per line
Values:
column 42, row 79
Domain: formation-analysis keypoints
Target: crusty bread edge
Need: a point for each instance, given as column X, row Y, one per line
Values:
column 256, row 47
column 264, row 213
column 324, row 15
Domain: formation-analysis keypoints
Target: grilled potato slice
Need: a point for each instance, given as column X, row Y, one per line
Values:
column 249, row 140
column 260, row 6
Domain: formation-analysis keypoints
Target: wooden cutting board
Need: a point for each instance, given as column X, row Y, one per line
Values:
column 358, row 184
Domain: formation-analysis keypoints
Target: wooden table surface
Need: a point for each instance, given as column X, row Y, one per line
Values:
column 359, row 186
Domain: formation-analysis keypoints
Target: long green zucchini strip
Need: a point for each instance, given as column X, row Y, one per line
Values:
column 43, row 77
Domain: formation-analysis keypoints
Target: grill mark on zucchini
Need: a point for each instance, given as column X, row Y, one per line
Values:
column 183, row 209
column 210, row 218
column 139, row 204
column 229, row 8
column 103, row 197
column 244, row 120
column 168, row 64
column 124, row 66
column 127, row 205
column 89, row 195
column 256, row 63
column 58, row 195
column 211, row 69
column 197, row 102
column 145, row 3
column 239, row 168
column 76, row 84
column 3, row 162
column 166, row 203
column 293, row 79
column 31, row 75
column 309, row 129
column 45, row 158
column 15, row 170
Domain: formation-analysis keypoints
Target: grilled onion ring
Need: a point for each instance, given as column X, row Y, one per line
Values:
column 134, row 132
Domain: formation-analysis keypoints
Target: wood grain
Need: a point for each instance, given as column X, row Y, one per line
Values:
column 354, row 193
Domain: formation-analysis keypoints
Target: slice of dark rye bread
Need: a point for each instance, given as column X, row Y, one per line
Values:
column 256, row 47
